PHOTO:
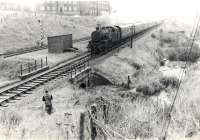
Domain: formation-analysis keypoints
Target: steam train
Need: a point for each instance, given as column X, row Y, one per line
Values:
column 105, row 37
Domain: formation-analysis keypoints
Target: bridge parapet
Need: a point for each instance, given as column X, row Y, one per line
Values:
column 81, row 76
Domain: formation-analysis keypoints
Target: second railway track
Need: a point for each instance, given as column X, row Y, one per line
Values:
column 32, row 49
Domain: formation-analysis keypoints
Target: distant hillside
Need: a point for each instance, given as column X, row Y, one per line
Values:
column 25, row 31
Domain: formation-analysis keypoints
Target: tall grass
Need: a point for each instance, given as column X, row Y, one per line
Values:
column 9, row 120
column 154, row 87
column 182, row 54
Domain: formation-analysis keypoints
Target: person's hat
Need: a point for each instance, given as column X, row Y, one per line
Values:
column 93, row 105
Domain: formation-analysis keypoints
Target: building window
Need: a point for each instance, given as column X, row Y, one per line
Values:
column 48, row 8
column 75, row 2
column 70, row 8
column 42, row 8
column 75, row 8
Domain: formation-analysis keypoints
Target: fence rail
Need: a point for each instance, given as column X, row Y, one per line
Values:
column 30, row 67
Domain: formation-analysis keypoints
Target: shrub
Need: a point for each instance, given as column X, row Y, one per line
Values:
column 169, row 81
column 136, row 65
column 156, row 86
column 38, row 43
column 172, row 54
column 181, row 54
column 160, row 54
column 167, row 40
column 161, row 43
column 162, row 63
column 153, row 35
column 150, row 89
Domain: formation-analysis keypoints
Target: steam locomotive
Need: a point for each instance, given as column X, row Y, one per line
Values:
column 105, row 37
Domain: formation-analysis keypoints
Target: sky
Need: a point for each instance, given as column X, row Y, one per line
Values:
column 144, row 8
column 157, row 8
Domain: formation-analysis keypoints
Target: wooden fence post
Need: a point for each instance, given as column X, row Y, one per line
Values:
column 41, row 63
column 29, row 68
column 21, row 70
column 46, row 61
column 92, row 124
column 82, row 121
column 75, row 70
column 88, row 80
column 71, row 72
column 80, row 68
column 35, row 64
column 105, row 114
column 128, row 82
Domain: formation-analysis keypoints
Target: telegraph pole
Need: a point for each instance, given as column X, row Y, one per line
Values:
column 41, row 32
column 132, row 34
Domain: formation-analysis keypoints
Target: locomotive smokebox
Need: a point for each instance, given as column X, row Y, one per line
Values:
column 96, row 36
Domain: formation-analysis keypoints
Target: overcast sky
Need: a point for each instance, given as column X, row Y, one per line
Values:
column 145, row 8
column 181, row 8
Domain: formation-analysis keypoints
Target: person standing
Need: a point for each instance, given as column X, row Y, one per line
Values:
column 47, row 98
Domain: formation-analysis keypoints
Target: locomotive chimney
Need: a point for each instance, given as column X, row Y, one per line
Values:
column 99, row 26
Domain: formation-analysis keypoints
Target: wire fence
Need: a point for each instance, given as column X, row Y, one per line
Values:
column 34, row 66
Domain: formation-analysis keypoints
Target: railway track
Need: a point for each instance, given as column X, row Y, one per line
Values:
column 32, row 49
column 27, row 86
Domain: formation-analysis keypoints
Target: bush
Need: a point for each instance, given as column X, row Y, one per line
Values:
column 169, row 81
column 167, row 40
column 162, row 63
column 150, row 89
column 156, row 86
column 153, row 35
column 136, row 65
column 181, row 54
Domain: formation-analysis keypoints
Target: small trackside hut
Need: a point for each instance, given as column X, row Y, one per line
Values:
column 59, row 44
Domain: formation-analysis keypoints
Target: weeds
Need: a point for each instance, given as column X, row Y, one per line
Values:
column 170, row 81
column 155, row 87
column 136, row 65
column 10, row 118
column 153, row 35
column 181, row 54
column 150, row 89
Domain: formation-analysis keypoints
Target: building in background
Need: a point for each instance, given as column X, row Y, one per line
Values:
column 59, row 7
column 9, row 6
column 92, row 8
column 14, row 6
